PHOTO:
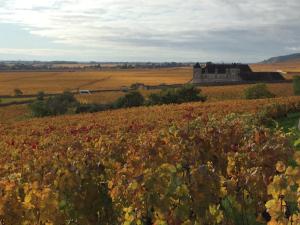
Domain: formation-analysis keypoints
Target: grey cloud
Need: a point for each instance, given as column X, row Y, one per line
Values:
column 258, row 28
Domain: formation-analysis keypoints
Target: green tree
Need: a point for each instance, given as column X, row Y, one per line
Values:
column 40, row 96
column 296, row 85
column 190, row 93
column 18, row 92
column 187, row 93
column 131, row 99
column 39, row 109
column 56, row 105
column 258, row 91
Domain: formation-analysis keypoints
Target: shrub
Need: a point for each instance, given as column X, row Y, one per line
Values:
column 61, row 104
column 187, row 93
column 90, row 108
column 56, row 105
column 154, row 99
column 258, row 91
column 131, row 99
column 18, row 92
column 276, row 110
column 136, row 86
column 296, row 85
column 40, row 96
column 66, row 97
column 39, row 109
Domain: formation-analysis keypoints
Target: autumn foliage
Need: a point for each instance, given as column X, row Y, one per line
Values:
column 194, row 163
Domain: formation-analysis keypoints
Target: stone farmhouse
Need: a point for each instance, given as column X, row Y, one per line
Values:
column 231, row 73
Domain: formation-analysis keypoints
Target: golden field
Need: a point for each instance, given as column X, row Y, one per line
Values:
column 237, row 91
column 53, row 82
column 289, row 68
column 293, row 67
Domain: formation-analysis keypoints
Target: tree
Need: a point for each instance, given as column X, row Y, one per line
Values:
column 258, row 91
column 296, row 85
column 39, row 109
column 131, row 99
column 60, row 104
column 187, row 93
column 18, row 92
column 40, row 96
column 56, row 105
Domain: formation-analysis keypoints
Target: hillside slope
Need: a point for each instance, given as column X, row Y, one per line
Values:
column 283, row 59
column 145, row 116
column 147, row 165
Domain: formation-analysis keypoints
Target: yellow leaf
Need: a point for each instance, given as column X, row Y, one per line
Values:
column 280, row 167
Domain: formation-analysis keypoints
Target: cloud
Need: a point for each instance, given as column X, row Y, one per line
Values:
column 200, row 28
column 37, row 51
column 293, row 48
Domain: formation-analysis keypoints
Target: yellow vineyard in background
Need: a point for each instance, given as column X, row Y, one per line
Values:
column 54, row 82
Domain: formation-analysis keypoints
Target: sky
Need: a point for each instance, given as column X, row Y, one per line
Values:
column 149, row 30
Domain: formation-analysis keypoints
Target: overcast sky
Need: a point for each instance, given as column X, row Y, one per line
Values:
column 149, row 30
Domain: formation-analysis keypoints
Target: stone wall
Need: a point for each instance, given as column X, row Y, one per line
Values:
column 231, row 75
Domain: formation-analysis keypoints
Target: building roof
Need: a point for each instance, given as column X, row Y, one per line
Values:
column 211, row 67
column 245, row 73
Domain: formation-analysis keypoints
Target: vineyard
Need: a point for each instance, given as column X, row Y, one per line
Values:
column 214, row 94
column 194, row 163
column 292, row 66
column 14, row 113
column 56, row 82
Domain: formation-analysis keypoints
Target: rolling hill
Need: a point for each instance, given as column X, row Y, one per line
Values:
column 283, row 59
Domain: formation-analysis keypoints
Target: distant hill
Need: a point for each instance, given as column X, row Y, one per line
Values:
column 283, row 59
